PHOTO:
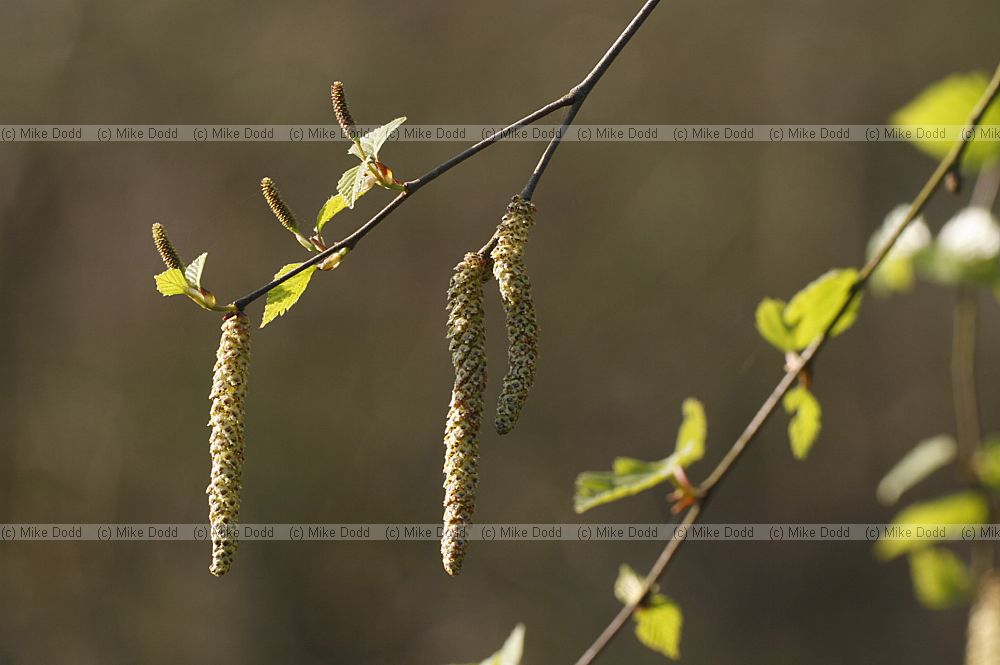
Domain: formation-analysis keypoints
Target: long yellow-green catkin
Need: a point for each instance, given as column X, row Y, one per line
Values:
column 467, row 343
column 166, row 249
column 277, row 205
column 343, row 113
column 522, row 326
column 983, row 643
column 226, row 442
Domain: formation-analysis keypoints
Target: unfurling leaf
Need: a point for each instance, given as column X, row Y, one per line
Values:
column 949, row 102
column 806, row 420
column 923, row 459
column 171, row 282
column 968, row 507
column 771, row 324
column 333, row 205
column 813, row 308
column 511, row 651
column 192, row 273
column 372, row 142
column 630, row 476
column 281, row 298
column 355, row 182
column 940, row 579
column 658, row 619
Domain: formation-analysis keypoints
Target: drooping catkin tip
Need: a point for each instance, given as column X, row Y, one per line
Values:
column 519, row 310
column 277, row 205
column 467, row 343
column 226, row 441
column 341, row 109
column 166, row 249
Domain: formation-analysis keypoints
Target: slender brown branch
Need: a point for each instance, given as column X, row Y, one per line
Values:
column 951, row 161
column 573, row 99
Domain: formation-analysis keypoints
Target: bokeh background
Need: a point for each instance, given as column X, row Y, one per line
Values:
column 648, row 261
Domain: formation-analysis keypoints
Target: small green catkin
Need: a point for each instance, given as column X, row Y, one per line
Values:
column 983, row 641
column 166, row 249
column 343, row 113
column 226, row 442
column 277, row 205
column 522, row 326
column 467, row 344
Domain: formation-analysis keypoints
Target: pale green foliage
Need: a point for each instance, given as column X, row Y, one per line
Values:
column 333, row 205
column 355, row 183
column 372, row 142
column 813, row 308
column 193, row 271
column 771, row 324
column 511, row 651
column 921, row 461
column 940, row 579
column 281, row 298
column 806, row 420
column 794, row 326
column 658, row 619
column 896, row 273
column 965, row 250
column 987, row 462
column 630, row 476
column 968, row 507
column 171, row 283
column 949, row 102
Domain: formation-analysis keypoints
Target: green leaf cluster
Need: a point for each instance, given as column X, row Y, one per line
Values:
column 966, row 507
column 187, row 282
column 949, row 102
column 795, row 325
column 629, row 476
column 658, row 620
column 805, row 424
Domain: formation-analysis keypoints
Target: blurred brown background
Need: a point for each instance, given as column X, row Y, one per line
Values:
column 646, row 282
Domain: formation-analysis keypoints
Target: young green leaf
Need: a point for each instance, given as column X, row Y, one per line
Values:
column 281, row 298
column 940, row 579
column 806, row 420
column 923, row 459
column 355, row 183
column 813, row 308
column 333, row 205
column 968, row 507
column 949, row 102
column 658, row 619
column 192, row 273
column 372, row 142
column 511, row 651
column 171, row 283
column 770, row 316
column 630, row 476
column 691, row 435
column 658, row 626
column 987, row 462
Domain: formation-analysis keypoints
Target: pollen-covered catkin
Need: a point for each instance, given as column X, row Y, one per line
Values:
column 522, row 326
column 343, row 113
column 226, row 443
column 467, row 343
column 277, row 205
column 166, row 249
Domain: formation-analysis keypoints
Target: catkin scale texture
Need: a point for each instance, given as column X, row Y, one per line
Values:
column 277, row 205
column 519, row 309
column 467, row 344
column 166, row 249
column 226, row 441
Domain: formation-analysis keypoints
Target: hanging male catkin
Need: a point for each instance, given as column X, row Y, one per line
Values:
column 522, row 326
column 226, row 443
column 277, row 205
column 467, row 343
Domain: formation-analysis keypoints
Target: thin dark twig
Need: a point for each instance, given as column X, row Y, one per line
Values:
column 724, row 467
column 573, row 99
column 579, row 93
